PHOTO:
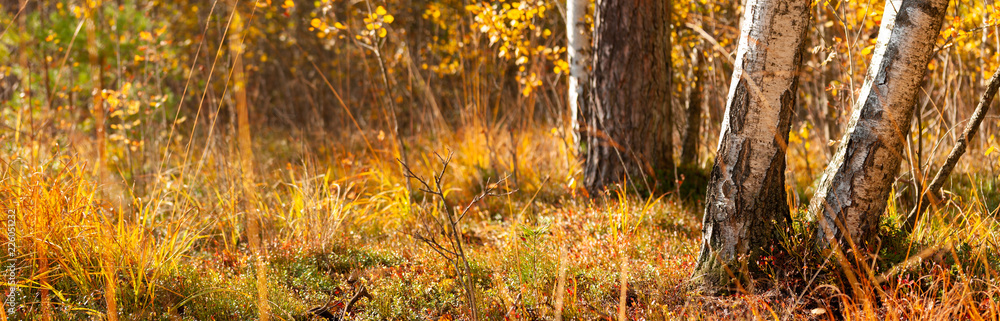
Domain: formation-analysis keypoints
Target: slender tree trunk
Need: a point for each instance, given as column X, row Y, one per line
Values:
column 746, row 204
column 97, row 66
column 629, row 133
column 577, row 54
column 253, row 217
column 855, row 186
column 692, row 133
column 827, row 106
column 933, row 192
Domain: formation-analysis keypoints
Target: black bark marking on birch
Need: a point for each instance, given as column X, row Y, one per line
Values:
column 872, row 111
column 738, row 109
column 785, row 119
column 903, row 17
column 773, row 195
column 869, row 219
column 834, row 209
column 774, row 178
column 888, row 61
column 741, row 170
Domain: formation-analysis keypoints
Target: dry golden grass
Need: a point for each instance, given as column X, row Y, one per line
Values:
column 336, row 217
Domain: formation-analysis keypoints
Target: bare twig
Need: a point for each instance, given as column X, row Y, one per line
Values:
column 933, row 192
column 362, row 293
column 453, row 251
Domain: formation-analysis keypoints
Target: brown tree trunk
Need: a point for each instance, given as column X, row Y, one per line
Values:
column 629, row 135
column 855, row 186
column 97, row 66
column 692, row 133
column 244, row 145
column 746, row 204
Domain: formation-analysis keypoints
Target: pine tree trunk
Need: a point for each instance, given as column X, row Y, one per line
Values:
column 629, row 125
column 746, row 202
column 577, row 54
column 855, row 186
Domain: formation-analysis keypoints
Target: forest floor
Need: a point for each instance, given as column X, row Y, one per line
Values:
column 338, row 222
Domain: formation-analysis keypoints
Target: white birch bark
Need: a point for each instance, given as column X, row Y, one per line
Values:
column 746, row 199
column 577, row 53
column 855, row 187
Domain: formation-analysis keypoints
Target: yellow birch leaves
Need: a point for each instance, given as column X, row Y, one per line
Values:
column 375, row 23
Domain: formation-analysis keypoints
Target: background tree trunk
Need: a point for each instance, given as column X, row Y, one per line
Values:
column 746, row 199
column 855, row 187
column 577, row 54
column 629, row 122
column 689, row 145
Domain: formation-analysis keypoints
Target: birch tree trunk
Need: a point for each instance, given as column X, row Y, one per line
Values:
column 746, row 202
column 629, row 125
column 855, row 187
column 577, row 54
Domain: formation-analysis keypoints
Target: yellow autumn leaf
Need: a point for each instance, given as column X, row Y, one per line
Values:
column 339, row 25
column 514, row 14
column 380, row 11
column 388, row 18
column 315, row 23
column 382, row 32
column 867, row 50
column 146, row 36
column 288, row 4
column 370, row 26
column 948, row 32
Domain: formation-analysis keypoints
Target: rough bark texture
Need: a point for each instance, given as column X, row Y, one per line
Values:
column 933, row 192
column 577, row 54
column 689, row 145
column 746, row 201
column 855, row 186
column 629, row 133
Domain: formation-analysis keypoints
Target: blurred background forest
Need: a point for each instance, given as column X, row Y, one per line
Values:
column 137, row 193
